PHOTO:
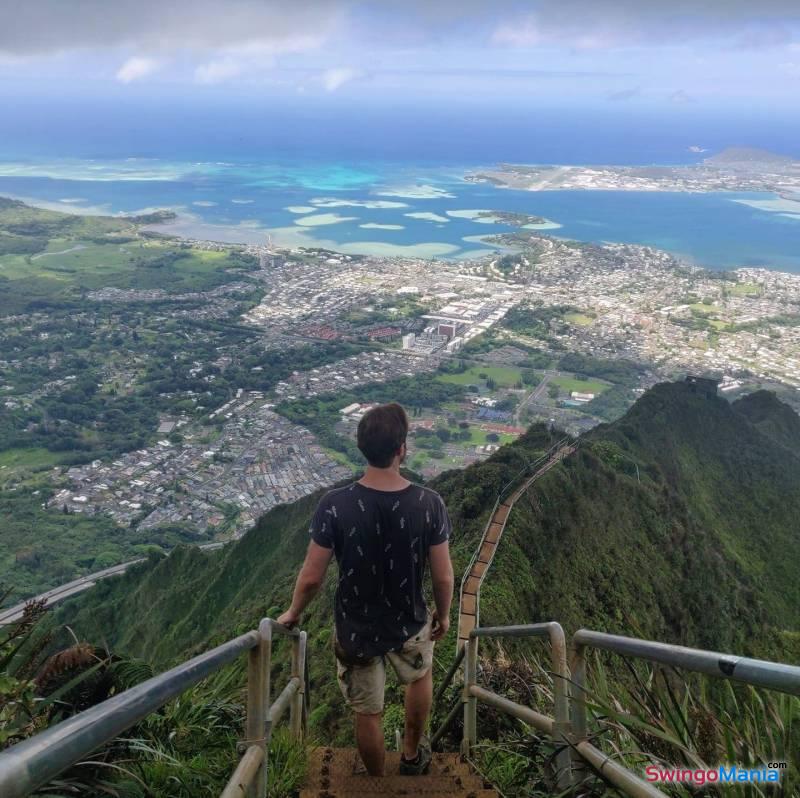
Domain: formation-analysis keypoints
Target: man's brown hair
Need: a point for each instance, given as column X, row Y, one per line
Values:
column 381, row 433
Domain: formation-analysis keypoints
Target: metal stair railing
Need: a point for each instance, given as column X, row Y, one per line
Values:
column 557, row 727
column 759, row 673
column 568, row 728
column 32, row 763
column 440, row 690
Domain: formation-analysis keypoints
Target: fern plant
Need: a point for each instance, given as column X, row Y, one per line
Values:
column 641, row 715
column 188, row 748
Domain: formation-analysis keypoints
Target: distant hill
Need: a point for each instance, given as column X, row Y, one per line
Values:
column 748, row 155
column 774, row 419
column 701, row 549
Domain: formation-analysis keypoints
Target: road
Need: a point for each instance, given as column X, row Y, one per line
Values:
column 534, row 395
column 57, row 594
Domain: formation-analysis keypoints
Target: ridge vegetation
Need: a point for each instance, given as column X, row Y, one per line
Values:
column 675, row 523
column 698, row 549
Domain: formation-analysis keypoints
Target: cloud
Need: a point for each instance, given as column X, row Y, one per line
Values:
column 760, row 38
column 333, row 79
column 680, row 97
column 218, row 71
column 137, row 68
column 625, row 94
column 524, row 34
column 42, row 26
column 49, row 26
column 605, row 24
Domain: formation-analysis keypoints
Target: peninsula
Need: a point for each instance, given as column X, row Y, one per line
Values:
column 733, row 169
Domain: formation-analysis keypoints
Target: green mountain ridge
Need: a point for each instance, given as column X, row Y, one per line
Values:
column 699, row 549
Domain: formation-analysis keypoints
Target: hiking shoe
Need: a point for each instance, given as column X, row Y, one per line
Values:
column 359, row 768
column 421, row 764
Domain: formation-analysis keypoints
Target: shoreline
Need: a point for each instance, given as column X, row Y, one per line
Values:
column 450, row 240
column 489, row 248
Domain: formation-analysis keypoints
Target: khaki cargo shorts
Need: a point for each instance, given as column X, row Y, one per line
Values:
column 362, row 683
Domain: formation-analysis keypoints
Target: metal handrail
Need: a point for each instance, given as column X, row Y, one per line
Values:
column 250, row 777
column 246, row 773
column 448, row 677
column 28, row 765
column 569, row 726
column 760, row 673
column 440, row 690
column 447, row 722
column 558, row 727
column 573, row 752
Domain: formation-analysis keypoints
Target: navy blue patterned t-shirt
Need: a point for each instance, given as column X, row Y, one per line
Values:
column 381, row 541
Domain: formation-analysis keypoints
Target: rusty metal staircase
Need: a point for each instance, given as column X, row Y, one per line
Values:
column 330, row 775
column 469, row 595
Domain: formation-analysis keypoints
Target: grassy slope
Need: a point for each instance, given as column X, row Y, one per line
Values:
column 42, row 548
column 739, row 488
column 47, row 256
column 699, row 552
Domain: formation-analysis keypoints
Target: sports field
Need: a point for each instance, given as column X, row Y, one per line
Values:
column 570, row 384
column 504, row 376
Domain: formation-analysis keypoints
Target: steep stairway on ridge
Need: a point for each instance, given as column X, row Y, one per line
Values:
column 470, row 589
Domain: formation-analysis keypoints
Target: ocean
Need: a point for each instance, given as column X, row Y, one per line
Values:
column 390, row 181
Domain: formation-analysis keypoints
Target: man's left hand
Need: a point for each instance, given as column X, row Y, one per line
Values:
column 289, row 618
column 439, row 626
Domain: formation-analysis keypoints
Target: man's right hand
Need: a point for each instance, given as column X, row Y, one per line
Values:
column 289, row 618
column 439, row 626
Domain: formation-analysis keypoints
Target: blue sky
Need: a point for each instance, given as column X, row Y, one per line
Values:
column 726, row 54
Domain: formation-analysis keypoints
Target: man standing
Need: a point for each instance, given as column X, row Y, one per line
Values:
column 383, row 531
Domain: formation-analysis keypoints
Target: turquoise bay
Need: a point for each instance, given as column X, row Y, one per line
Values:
column 404, row 209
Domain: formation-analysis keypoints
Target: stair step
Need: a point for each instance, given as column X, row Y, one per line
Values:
column 466, row 623
column 501, row 513
column 468, row 603
column 487, row 551
column 494, row 532
column 330, row 775
column 472, row 584
column 340, row 765
column 388, row 790
column 479, row 568
column 365, row 783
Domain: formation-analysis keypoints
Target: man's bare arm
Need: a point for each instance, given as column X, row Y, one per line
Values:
column 443, row 582
column 309, row 581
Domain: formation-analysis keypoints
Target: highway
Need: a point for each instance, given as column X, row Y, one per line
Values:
column 57, row 594
column 531, row 398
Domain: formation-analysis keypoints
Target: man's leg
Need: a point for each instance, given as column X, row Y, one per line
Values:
column 362, row 684
column 414, row 667
column 419, row 696
column 369, row 739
